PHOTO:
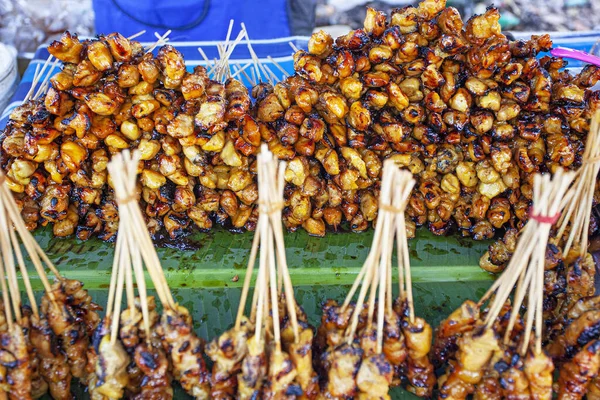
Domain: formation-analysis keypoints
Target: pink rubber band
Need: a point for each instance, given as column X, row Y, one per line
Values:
column 563, row 52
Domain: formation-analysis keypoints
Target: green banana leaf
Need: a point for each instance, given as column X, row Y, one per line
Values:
column 206, row 271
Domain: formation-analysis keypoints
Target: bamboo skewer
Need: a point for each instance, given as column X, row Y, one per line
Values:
column 161, row 40
column 36, row 77
column 24, row 273
column 12, row 219
column 9, row 266
column 132, row 250
column 273, row 283
column 578, row 210
column 375, row 277
column 526, row 267
column 278, row 66
column 46, row 82
column 135, row 35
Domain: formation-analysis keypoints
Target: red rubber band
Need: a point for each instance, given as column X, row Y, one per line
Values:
column 542, row 219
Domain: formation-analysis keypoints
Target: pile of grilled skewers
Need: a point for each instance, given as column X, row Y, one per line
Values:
column 496, row 352
column 42, row 347
column 472, row 115
column 359, row 351
column 267, row 355
column 363, row 349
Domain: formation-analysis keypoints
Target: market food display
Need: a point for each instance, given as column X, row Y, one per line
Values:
column 472, row 114
column 419, row 119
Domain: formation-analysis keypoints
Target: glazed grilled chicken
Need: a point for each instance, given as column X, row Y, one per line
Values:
column 333, row 325
column 72, row 334
column 344, row 363
column 394, row 346
column 111, row 368
column 513, row 380
column 14, row 357
column 54, row 367
column 421, row 378
column 185, row 351
column 539, row 370
column 461, row 320
column 580, row 276
column 489, row 387
column 579, row 332
column 81, row 302
column 148, row 371
column 281, row 375
column 39, row 386
column 374, row 377
column 227, row 352
column 475, row 350
column 576, row 375
column 254, row 371
column 154, row 365
column 484, row 114
column 302, row 357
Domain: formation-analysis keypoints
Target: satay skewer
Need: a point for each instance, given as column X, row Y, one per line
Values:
column 577, row 213
column 524, row 265
column 31, row 246
column 178, row 339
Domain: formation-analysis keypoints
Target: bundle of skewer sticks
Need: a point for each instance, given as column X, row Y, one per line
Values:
column 220, row 69
column 150, row 346
column 268, row 354
column 42, row 347
column 366, row 349
column 572, row 338
column 574, row 225
column 514, row 366
column 576, row 218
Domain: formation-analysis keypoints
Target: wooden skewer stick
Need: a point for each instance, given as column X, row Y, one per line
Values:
column 36, row 77
column 9, row 265
column 33, row 83
column 123, row 260
column 8, row 201
column 5, row 296
column 229, row 51
column 375, row 267
column 161, row 40
column 135, row 35
column 578, row 210
column 19, row 255
column 527, row 264
column 113, row 276
column 247, row 280
column 261, row 287
column 205, row 58
column 404, row 185
column 46, row 82
column 373, row 253
column 239, row 70
column 137, row 223
column 127, row 250
column 276, row 191
column 278, row 66
column 273, row 78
